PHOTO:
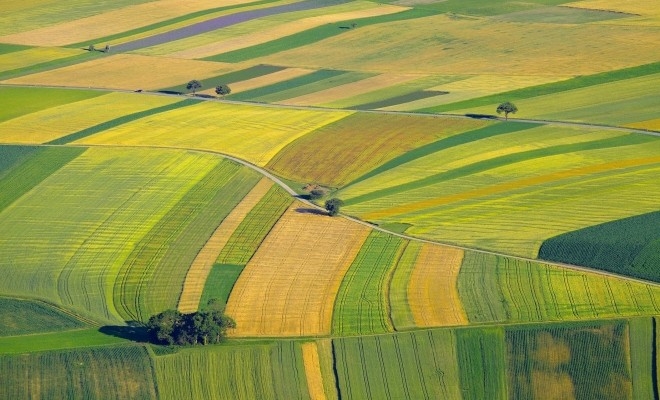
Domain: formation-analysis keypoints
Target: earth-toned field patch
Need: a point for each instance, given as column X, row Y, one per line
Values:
column 289, row 286
column 570, row 362
column 19, row 317
column 228, row 78
column 626, row 246
column 411, row 365
column 253, row 133
column 499, row 289
column 69, row 250
column 643, row 12
column 354, row 145
column 152, row 276
column 119, row 72
column 362, row 304
column 260, row 371
column 54, row 122
column 200, row 268
column 109, row 373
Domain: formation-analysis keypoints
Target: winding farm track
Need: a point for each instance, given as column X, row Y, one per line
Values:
column 293, row 193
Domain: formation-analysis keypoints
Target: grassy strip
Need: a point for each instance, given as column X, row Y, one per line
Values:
column 336, row 79
column 641, row 359
column 411, row 365
column 479, row 288
column 56, row 341
column 362, row 304
column 11, row 156
column 257, row 93
column 152, row 277
column 400, row 99
column 482, row 365
column 92, row 130
column 29, row 173
column 118, row 372
column 501, row 161
column 479, row 7
column 219, row 283
column 48, row 65
column 17, row 101
column 257, row 370
column 311, row 36
column 402, row 316
column 172, row 21
column 229, row 78
column 443, row 144
column 19, row 317
column 581, row 361
column 550, row 88
column 247, row 237
column 612, row 246
column 6, row 48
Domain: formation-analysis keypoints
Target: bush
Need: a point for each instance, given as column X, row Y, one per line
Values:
column 205, row 327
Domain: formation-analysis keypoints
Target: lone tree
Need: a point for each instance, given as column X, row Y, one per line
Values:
column 194, row 85
column 107, row 48
column 204, row 327
column 506, row 108
column 91, row 48
column 222, row 90
column 333, row 205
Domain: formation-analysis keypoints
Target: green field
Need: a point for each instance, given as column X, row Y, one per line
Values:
column 20, row 317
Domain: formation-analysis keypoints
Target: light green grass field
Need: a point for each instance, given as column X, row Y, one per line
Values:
column 20, row 317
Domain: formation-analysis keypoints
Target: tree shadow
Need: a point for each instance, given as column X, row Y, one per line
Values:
column 169, row 92
column 132, row 332
column 204, row 96
column 314, row 211
column 481, row 116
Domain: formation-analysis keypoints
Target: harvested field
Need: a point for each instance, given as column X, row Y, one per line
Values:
column 466, row 45
column 201, row 266
column 112, row 22
column 253, row 133
column 125, row 71
column 433, row 287
column 54, row 122
column 289, row 286
column 283, row 30
column 355, row 145
column 24, row 58
column 313, row 371
column 350, row 89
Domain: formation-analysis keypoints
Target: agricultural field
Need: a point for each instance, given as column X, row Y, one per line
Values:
column 475, row 256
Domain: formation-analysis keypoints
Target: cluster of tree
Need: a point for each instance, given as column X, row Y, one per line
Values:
column 221, row 90
column 333, row 205
column 204, row 327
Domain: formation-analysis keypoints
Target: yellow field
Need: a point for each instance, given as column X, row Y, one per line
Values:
column 253, row 133
column 351, row 89
column 290, row 28
column 288, row 73
column 112, row 22
column 54, row 122
column 433, row 291
column 644, row 12
column 126, row 71
column 653, row 124
column 199, row 270
column 313, row 371
column 29, row 57
column 289, row 287
column 478, row 47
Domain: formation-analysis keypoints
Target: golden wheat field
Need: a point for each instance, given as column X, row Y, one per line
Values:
column 433, row 291
column 126, row 71
column 313, row 371
column 289, row 287
column 642, row 12
column 199, row 270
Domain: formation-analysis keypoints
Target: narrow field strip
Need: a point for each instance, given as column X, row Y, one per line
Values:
column 18, row 101
column 32, row 56
column 313, row 371
column 336, row 78
column 433, row 288
column 401, row 314
column 283, row 30
column 227, row 78
column 111, row 22
column 280, row 90
column 199, row 270
column 350, row 89
column 50, row 341
column 117, row 71
column 360, row 143
column 269, row 79
column 362, row 305
column 86, row 115
column 289, row 286
column 151, row 279
column 252, row 133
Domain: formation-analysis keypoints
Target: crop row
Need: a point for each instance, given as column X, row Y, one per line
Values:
column 20, row 317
